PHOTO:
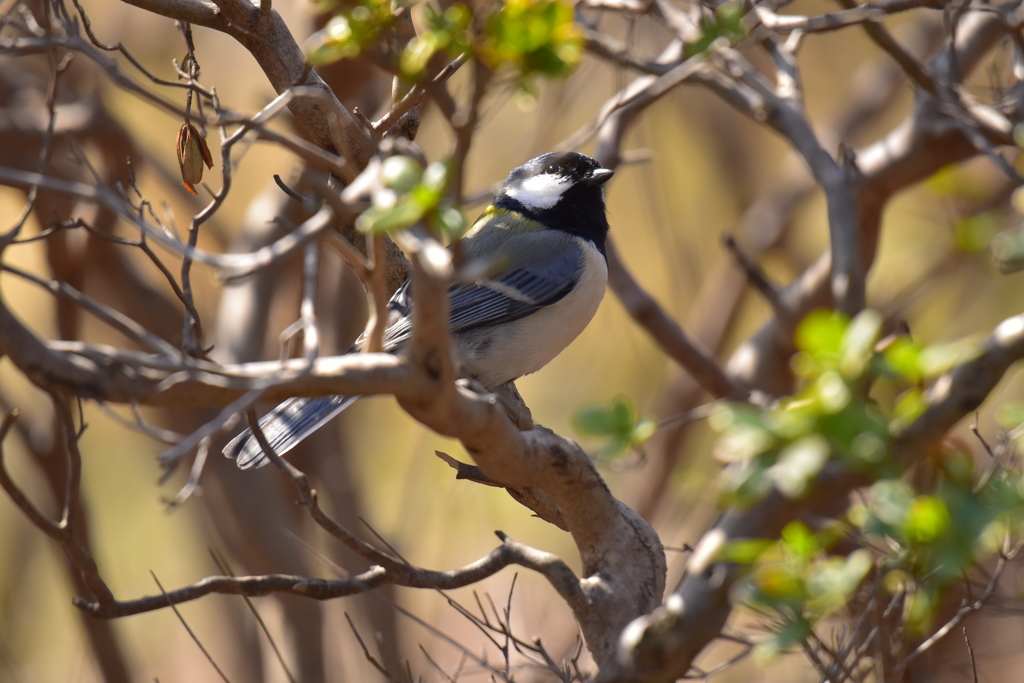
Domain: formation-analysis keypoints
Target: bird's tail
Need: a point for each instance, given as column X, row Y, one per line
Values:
column 285, row 426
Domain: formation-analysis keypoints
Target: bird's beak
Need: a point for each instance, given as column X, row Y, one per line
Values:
column 598, row 177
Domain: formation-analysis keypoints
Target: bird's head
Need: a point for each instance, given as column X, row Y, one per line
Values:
column 562, row 190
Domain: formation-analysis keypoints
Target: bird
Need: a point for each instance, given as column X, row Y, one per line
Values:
column 543, row 237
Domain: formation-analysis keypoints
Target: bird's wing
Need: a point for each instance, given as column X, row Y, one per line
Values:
column 515, row 293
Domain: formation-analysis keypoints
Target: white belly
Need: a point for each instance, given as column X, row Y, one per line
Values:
column 528, row 344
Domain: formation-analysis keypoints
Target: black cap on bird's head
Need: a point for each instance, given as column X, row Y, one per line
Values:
column 563, row 191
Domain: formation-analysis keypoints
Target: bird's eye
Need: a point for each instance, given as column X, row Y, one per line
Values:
column 552, row 169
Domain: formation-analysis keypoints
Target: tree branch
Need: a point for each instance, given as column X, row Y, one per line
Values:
column 327, row 122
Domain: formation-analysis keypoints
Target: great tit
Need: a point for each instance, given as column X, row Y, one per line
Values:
column 544, row 239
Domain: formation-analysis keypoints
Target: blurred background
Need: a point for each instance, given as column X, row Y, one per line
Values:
column 695, row 169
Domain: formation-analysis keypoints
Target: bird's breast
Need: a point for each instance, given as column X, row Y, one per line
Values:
column 506, row 352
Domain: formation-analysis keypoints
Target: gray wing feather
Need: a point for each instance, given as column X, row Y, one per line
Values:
column 285, row 426
column 477, row 305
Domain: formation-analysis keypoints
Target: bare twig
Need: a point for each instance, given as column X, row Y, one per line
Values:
column 191, row 633
column 957, row 618
column 418, row 94
column 192, row 484
column 970, row 651
column 115, row 319
column 758, row 279
column 366, row 652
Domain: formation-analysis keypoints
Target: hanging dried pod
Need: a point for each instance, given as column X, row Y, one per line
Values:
column 193, row 152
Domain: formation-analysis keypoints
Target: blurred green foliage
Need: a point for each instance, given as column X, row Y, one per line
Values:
column 931, row 540
column 448, row 31
column 725, row 23
column 832, row 415
column 918, row 542
column 411, row 194
column 786, row 445
column 520, row 37
column 350, row 31
column 533, row 36
column 797, row 579
column 618, row 422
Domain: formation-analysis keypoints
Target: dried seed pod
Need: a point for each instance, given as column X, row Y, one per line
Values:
column 193, row 152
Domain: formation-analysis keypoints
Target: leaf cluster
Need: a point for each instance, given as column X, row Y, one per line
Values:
column 726, row 23
column 919, row 541
column 798, row 580
column 521, row 37
column 618, row 423
column 410, row 194
column 834, row 415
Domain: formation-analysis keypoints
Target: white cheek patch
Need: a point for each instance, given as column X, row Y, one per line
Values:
column 539, row 192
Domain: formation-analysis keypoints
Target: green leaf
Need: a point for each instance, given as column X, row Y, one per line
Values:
column 643, row 430
column 798, row 464
column 726, row 415
column 346, row 35
column 743, row 442
column 449, row 221
column 890, row 501
column 821, row 333
column 617, row 420
column 832, row 392
column 328, row 52
column 744, row 482
column 727, row 24
column 793, row 632
column 868, row 447
column 593, row 421
column 400, row 173
column 904, row 357
column 831, row 582
column 975, row 233
column 399, row 217
column 919, row 611
column 436, row 177
column 799, row 541
column 858, row 343
column 793, row 418
column 447, row 32
column 533, row 36
column 418, row 52
column 927, row 519
column 743, row 550
column 909, row 407
column 941, row 358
